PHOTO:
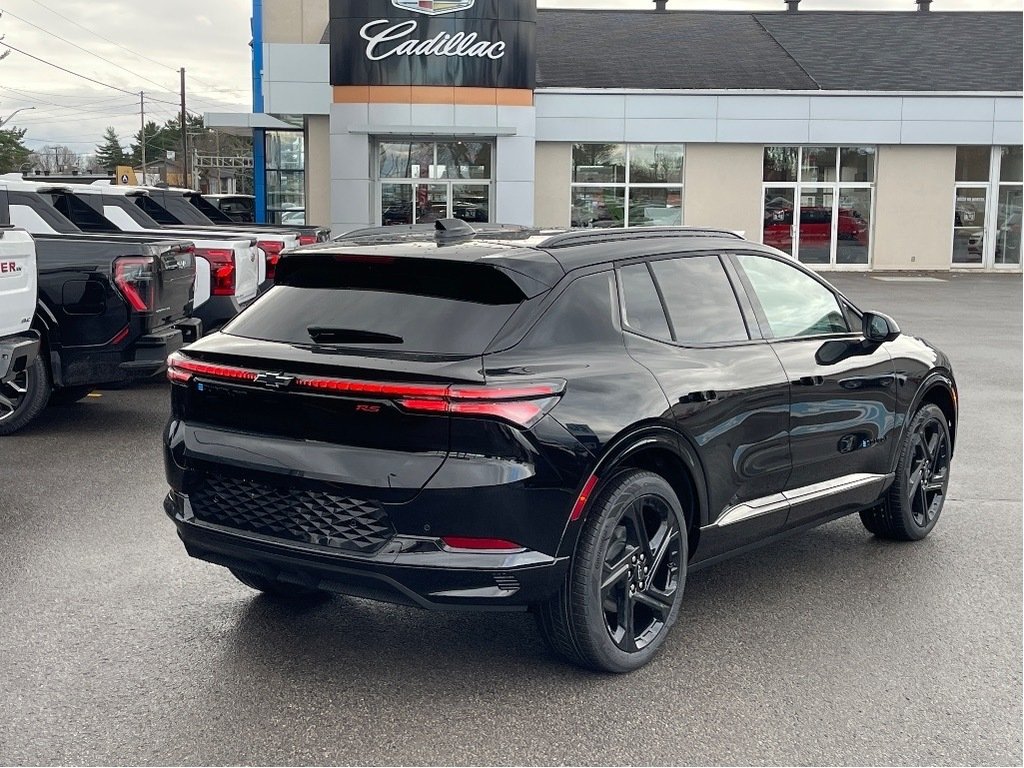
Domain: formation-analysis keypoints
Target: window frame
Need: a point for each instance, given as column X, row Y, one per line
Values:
column 835, row 187
column 993, row 189
column 626, row 185
column 739, row 293
column 848, row 309
column 448, row 183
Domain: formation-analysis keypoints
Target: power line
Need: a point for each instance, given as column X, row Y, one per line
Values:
column 76, row 74
column 84, row 50
column 90, row 101
column 122, row 47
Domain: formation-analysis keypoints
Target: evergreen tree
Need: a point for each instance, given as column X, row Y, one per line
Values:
column 110, row 153
column 158, row 141
column 13, row 153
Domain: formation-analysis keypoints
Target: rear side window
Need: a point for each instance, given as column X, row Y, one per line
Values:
column 581, row 315
column 644, row 310
column 700, row 300
column 81, row 213
column 387, row 306
column 155, row 210
column 794, row 303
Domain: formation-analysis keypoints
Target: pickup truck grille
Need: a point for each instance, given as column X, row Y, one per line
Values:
column 321, row 517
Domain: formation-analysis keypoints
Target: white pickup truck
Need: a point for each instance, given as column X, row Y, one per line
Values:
column 19, row 344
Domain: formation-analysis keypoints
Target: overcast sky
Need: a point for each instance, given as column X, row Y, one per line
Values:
column 146, row 42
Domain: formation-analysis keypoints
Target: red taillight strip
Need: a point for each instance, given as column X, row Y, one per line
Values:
column 355, row 387
column 581, row 500
column 180, row 369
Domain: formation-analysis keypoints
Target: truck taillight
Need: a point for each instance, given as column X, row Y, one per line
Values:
column 273, row 250
column 133, row 276
column 307, row 239
column 222, row 270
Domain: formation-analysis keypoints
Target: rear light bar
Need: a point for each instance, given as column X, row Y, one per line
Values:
column 222, row 270
column 133, row 276
column 307, row 239
column 520, row 405
column 273, row 250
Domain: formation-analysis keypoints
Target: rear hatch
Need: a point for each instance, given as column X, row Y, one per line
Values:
column 17, row 280
column 349, row 371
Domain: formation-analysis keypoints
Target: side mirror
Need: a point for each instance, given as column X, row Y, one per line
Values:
column 879, row 327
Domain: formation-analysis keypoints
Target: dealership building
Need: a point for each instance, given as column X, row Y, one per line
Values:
column 852, row 140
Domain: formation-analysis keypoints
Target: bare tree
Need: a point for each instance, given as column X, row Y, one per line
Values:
column 54, row 159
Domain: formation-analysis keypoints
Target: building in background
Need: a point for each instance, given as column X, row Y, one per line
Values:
column 855, row 140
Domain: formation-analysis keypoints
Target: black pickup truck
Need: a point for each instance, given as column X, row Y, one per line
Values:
column 110, row 309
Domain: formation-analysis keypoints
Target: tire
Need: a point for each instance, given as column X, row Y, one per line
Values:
column 278, row 589
column 618, row 626
column 69, row 395
column 24, row 397
column 914, row 501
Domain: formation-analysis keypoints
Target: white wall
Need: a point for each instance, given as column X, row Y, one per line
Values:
column 782, row 118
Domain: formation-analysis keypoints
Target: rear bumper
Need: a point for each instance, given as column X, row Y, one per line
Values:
column 17, row 353
column 413, row 571
column 150, row 353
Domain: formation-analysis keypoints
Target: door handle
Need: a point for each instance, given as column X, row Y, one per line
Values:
column 809, row 381
column 704, row 396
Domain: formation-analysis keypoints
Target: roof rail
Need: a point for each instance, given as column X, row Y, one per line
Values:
column 586, row 236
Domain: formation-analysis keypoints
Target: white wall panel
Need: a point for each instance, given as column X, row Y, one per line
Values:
column 1008, row 133
column 944, row 132
column 514, row 202
column 764, row 107
column 594, row 129
column 1011, row 110
column 649, row 105
column 523, row 119
column 397, row 115
column 472, row 114
column 350, row 156
column 345, row 116
column 873, row 108
column 581, row 105
column 670, row 130
column 764, row 131
column 946, row 108
column 350, row 205
column 287, row 98
column 433, row 114
column 515, row 158
column 854, row 131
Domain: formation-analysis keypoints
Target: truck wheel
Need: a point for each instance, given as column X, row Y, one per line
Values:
column 24, row 397
column 69, row 395
column 625, row 583
column 277, row 589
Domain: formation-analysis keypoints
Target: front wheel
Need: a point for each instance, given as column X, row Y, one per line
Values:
column 912, row 506
column 625, row 584
column 24, row 397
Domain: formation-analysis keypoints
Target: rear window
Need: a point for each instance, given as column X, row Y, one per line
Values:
column 383, row 306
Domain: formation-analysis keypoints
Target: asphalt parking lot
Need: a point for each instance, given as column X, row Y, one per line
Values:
column 828, row 648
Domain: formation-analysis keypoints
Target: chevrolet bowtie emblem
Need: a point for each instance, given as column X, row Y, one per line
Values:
column 273, row 380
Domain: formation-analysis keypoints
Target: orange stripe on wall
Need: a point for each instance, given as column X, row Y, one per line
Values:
column 432, row 94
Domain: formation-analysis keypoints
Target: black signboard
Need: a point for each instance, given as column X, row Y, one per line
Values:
column 478, row 43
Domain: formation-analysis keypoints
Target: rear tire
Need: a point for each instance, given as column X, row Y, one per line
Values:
column 625, row 583
column 278, row 589
column 914, row 501
column 24, row 397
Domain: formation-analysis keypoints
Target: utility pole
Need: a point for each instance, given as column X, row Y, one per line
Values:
column 142, row 135
column 184, row 132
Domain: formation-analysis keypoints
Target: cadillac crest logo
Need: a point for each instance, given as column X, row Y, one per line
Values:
column 433, row 7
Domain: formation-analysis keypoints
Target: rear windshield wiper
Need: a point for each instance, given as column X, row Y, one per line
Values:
column 351, row 336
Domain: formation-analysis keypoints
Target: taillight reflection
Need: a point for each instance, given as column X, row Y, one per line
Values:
column 222, row 270
column 272, row 248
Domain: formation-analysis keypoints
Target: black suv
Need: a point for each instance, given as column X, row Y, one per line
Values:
column 566, row 423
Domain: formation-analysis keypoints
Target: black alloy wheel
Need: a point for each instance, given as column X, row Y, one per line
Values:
column 915, row 500
column 24, row 396
column 625, row 584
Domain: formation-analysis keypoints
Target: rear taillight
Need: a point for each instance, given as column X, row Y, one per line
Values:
column 307, row 239
column 520, row 405
column 222, row 270
column 133, row 276
column 273, row 250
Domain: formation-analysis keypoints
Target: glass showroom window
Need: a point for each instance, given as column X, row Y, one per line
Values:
column 987, row 207
column 423, row 181
column 818, row 203
column 286, row 177
column 627, row 185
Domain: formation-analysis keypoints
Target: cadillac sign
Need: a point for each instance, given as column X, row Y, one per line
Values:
column 477, row 43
